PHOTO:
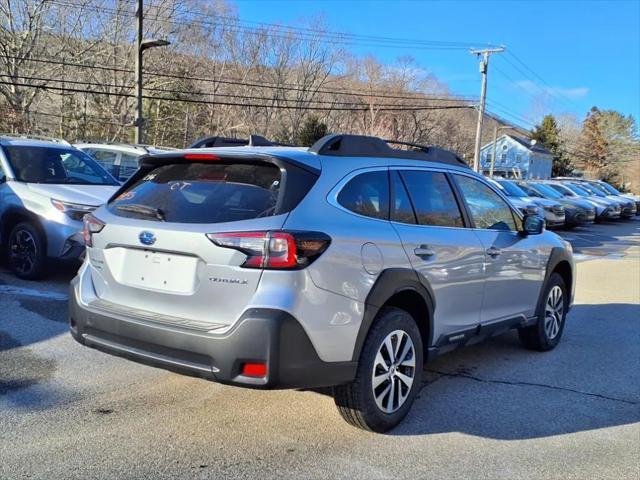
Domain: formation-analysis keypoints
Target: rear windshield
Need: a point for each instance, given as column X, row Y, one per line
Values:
column 202, row 193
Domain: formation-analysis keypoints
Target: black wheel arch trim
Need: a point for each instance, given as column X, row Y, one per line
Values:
column 389, row 283
column 557, row 256
column 6, row 226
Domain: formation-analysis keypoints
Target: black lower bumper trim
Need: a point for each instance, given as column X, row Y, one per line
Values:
column 267, row 336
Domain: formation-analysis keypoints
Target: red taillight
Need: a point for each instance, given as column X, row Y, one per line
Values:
column 274, row 249
column 91, row 225
column 201, row 156
column 255, row 370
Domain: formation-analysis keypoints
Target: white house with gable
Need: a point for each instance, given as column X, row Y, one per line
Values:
column 518, row 157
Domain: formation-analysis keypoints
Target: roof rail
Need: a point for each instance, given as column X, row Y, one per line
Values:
column 252, row 141
column 366, row 146
column 28, row 136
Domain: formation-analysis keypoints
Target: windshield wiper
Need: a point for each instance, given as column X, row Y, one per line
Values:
column 142, row 210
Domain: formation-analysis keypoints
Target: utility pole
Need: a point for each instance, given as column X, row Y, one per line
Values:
column 484, row 63
column 141, row 46
column 139, row 32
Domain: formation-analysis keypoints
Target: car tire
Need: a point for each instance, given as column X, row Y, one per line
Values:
column 552, row 313
column 26, row 254
column 368, row 408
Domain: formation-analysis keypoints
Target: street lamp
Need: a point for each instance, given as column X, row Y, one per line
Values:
column 142, row 45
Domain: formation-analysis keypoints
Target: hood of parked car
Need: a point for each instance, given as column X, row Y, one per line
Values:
column 81, row 194
column 576, row 202
column 544, row 202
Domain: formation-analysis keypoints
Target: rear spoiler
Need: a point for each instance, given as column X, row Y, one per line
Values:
column 252, row 141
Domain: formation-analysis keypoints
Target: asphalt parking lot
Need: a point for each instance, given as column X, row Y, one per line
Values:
column 493, row 410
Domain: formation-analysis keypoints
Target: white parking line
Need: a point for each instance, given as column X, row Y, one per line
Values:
column 30, row 292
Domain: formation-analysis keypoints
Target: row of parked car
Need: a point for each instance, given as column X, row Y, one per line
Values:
column 47, row 186
column 569, row 202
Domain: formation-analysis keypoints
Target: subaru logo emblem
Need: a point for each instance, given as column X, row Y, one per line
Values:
column 147, row 238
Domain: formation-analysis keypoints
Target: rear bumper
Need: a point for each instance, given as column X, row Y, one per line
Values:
column 266, row 336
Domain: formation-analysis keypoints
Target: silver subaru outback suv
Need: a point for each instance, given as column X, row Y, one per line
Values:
column 348, row 264
column 46, row 187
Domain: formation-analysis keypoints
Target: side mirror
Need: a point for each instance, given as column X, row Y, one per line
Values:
column 3, row 178
column 532, row 225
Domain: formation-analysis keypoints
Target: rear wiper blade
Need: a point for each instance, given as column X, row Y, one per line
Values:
column 142, row 210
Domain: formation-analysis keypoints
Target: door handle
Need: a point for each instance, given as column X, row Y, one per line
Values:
column 423, row 251
column 493, row 252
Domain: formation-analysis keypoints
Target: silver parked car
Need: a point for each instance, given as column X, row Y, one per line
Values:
column 576, row 211
column 553, row 211
column 347, row 264
column 627, row 205
column 614, row 191
column 612, row 209
column 608, row 189
column 46, row 188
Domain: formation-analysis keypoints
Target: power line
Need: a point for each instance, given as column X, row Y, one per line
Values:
column 235, row 104
column 413, row 96
column 549, row 91
column 299, row 33
column 87, row 84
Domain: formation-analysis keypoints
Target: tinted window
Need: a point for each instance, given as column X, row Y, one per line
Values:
column 401, row 210
column 547, row 191
column 55, row 165
column 202, row 193
column 432, row 198
column 609, row 188
column 488, row 210
column 128, row 165
column 367, row 194
column 105, row 158
column 511, row 189
column 562, row 190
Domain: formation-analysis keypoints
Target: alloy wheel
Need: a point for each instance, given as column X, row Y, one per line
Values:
column 23, row 252
column 393, row 371
column 553, row 312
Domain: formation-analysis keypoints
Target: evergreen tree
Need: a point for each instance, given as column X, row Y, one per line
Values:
column 312, row 130
column 548, row 134
column 594, row 150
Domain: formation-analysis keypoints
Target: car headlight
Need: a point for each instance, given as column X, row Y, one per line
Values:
column 75, row 211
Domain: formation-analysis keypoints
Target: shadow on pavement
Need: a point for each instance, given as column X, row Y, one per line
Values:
column 499, row 390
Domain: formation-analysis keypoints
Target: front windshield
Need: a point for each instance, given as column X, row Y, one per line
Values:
column 592, row 190
column 55, row 165
column 599, row 188
column 511, row 189
column 529, row 191
column 612, row 190
column 576, row 189
column 562, row 189
column 547, row 191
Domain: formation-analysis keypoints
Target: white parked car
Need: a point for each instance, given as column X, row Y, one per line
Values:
column 119, row 159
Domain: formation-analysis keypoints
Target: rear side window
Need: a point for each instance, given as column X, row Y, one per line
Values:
column 128, row 165
column 367, row 194
column 105, row 158
column 202, row 193
column 432, row 198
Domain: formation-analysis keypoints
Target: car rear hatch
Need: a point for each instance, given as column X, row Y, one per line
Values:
column 156, row 257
